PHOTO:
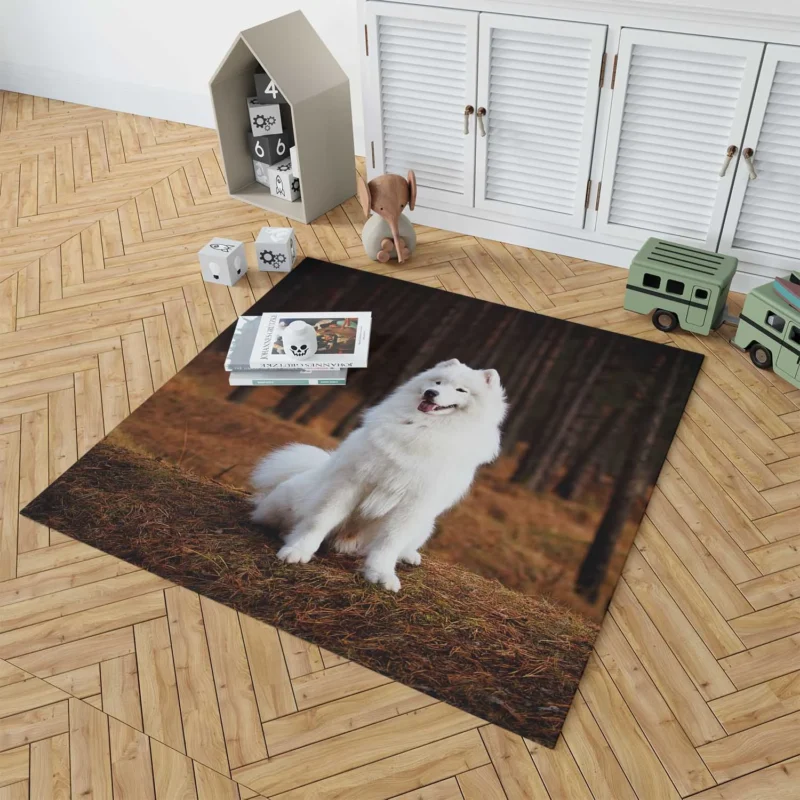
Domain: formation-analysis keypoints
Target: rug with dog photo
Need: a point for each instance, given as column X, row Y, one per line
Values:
column 456, row 517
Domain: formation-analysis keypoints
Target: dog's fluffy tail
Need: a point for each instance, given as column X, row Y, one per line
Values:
column 277, row 467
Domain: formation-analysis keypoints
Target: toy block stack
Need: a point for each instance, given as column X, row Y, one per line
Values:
column 271, row 139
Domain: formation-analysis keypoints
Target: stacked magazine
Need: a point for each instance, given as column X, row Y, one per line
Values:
column 258, row 355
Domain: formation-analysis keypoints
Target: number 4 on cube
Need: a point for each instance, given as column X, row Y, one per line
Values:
column 267, row 90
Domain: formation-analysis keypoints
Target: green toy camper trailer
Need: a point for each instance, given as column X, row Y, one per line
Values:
column 769, row 329
column 680, row 286
column 685, row 287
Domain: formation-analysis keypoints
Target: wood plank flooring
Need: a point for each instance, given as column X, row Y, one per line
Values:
column 115, row 684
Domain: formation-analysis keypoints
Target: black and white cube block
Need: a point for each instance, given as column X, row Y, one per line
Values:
column 271, row 148
column 260, row 171
column 282, row 183
column 267, row 90
column 295, row 162
column 223, row 261
column 268, row 118
column 276, row 249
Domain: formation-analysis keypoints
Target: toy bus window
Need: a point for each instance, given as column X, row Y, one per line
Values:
column 774, row 321
column 701, row 294
column 651, row 281
column 675, row 287
column 794, row 335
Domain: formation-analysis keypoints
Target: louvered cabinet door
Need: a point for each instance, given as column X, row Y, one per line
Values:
column 539, row 83
column 762, row 225
column 423, row 64
column 679, row 102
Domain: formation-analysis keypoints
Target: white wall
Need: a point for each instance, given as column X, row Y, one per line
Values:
column 151, row 57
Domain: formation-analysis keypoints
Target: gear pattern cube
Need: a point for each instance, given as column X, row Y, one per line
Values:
column 276, row 249
column 268, row 119
column 223, row 261
column 282, row 181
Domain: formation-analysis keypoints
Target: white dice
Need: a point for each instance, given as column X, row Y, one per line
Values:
column 260, row 171
column 222, row 261
column 268, row 118
column 276, row 249
column 282, row 182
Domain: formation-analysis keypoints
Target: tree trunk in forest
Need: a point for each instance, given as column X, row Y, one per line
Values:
column 576, row 477
column 521, row 386
column 628, row 487
column 540, row 477
column 239, row 394
column 592, row 572
column 291, row 402
column 317, row 407
column 522, row 416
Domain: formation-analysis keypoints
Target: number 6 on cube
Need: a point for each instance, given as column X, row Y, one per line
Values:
column 271, row 149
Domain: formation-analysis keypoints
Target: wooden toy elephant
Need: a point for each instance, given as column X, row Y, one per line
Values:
column 388, row 233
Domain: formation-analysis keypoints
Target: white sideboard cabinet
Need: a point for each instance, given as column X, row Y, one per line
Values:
column 585, row 128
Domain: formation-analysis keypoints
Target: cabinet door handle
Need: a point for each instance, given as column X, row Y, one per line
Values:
column 481, row 113
column 748, row 154
column 731, row 152
column 467, row 112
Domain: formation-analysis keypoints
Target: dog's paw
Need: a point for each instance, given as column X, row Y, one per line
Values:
column 388, row 580
column 412, row 557
column 294, row 555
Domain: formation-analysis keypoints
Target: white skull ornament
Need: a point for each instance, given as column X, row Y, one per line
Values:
column 299, row 339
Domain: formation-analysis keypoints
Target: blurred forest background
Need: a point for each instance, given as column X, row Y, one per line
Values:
column 592, row 415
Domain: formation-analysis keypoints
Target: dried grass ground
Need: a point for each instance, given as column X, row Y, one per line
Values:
column 509, row 658
column 124, row 686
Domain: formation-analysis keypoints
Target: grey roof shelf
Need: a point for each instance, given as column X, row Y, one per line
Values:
column 290, row 51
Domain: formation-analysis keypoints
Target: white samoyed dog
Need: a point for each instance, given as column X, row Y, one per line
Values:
column 379, row 493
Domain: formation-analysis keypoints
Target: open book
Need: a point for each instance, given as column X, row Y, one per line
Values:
column 314, row 340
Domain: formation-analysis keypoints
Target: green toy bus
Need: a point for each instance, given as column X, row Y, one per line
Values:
column 680, row 285
column 686, row 287
column 769, row 329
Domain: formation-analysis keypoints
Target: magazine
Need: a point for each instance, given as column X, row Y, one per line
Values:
column 312, row 340
column 241, row 346
column 282, row 377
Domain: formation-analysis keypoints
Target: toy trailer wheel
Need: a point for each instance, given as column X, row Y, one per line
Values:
column 760, row 356
column 665, row 320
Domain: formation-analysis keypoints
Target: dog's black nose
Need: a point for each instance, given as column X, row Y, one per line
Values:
column 430, row 394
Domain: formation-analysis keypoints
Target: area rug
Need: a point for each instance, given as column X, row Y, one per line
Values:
column 500, row 617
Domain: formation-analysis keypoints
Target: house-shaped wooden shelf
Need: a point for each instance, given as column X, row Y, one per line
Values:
column 318, row 91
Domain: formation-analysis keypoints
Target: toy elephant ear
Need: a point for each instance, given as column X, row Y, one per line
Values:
column 363, row 193
column 412, row 189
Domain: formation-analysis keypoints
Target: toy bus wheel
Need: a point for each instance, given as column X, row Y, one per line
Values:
column 665, row 320
column 760, row 356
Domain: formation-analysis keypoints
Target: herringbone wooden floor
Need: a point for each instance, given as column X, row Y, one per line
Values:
column 115, row 684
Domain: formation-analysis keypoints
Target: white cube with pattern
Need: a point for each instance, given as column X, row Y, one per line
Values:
column 223, row 261
column 276, row 249
column 282, row 181
column 268, row 118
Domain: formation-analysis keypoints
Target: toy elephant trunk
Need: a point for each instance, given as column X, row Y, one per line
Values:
column 387, row 196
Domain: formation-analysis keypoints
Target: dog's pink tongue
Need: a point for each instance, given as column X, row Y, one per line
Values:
column 425, row 406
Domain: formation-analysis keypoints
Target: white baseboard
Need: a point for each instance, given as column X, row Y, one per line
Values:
column 570, row 246
column 130, row 98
